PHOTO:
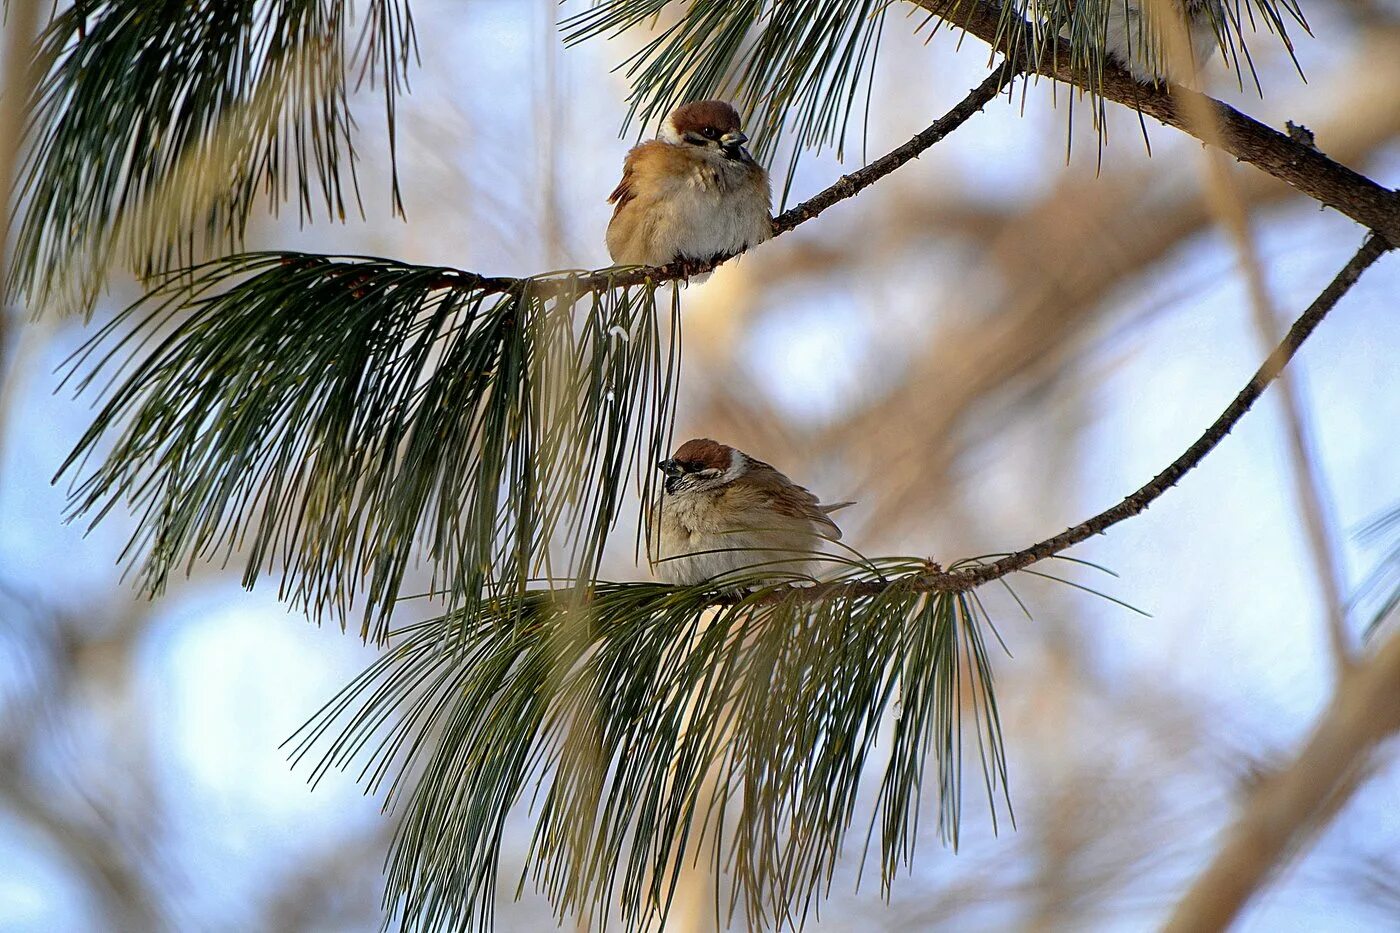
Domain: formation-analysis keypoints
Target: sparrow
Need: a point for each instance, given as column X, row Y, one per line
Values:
column 722, row 511
column 694, row 193
column 1135, row 38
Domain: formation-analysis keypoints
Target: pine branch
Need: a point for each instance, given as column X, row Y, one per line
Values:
column 722, row 50
column 1296, row 163
column 798, row 67
column 335, row 417
column 157, row 124
column 648, row 731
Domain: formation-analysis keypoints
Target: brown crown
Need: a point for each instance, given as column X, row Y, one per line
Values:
column 696, row 116
column 712, row 454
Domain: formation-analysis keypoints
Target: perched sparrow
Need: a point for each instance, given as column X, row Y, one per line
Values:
column 693, row 193
column 723, row 510
column 1136, row 38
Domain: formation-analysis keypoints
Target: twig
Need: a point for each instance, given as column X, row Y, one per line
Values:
column 1289, row 805
column 1248, row 140
column 845, row 187
column 964, row 579
column 1309, row 489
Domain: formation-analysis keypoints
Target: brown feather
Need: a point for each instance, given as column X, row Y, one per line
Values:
column 623, row 192
column 786, row 498
column 712, row 454
column 638, row 197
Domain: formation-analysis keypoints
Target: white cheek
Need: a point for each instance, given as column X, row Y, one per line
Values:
column 668, row 133
column 738, row 463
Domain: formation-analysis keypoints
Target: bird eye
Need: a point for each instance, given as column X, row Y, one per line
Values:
column 710, row 132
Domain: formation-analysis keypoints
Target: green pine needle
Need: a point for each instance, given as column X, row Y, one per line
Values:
column 157, row 124
column 1379, row 594
column 344, row 419
column 647, row 727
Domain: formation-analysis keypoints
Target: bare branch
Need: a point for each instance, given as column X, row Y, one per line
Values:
column 1248, row 140
column 852, row 184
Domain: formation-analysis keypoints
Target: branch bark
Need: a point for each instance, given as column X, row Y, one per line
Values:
column 1309, row 171
column 1364, row 711
column 963, row 579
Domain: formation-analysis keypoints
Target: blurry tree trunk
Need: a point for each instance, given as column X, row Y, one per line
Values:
column 1291, row 804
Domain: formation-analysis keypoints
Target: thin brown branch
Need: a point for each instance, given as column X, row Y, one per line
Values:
column 1290, row 805
column 1248, row 140
column 850, row 185
column 967, row 578
column 846, row 186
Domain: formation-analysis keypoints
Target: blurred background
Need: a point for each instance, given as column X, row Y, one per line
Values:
column 985, row 348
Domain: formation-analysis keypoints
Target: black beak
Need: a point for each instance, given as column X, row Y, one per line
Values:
column 670, row 467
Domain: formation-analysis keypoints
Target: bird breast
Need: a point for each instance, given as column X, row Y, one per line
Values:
column 703, row 535
column 703, row 207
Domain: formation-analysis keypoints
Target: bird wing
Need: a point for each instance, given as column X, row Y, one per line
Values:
column 793, row 501
column 654, row 167
column 624, row 191
column 651, row 158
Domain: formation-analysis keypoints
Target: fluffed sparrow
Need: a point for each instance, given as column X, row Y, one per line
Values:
column 694, row 193
column 723, row 511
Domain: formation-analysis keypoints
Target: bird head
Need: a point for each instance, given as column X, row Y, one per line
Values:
column 700, row 465
column 711, row 125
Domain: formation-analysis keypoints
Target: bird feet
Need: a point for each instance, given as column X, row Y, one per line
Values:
column 691, row 267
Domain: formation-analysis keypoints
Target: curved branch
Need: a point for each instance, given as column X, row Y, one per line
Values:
column 963, row 579
column 844, row 187
column 1248, row 140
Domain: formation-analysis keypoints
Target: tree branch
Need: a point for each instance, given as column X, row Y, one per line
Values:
column 1248, row 140
column 967, row 578
column 1364, row 711
column 845, row 187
